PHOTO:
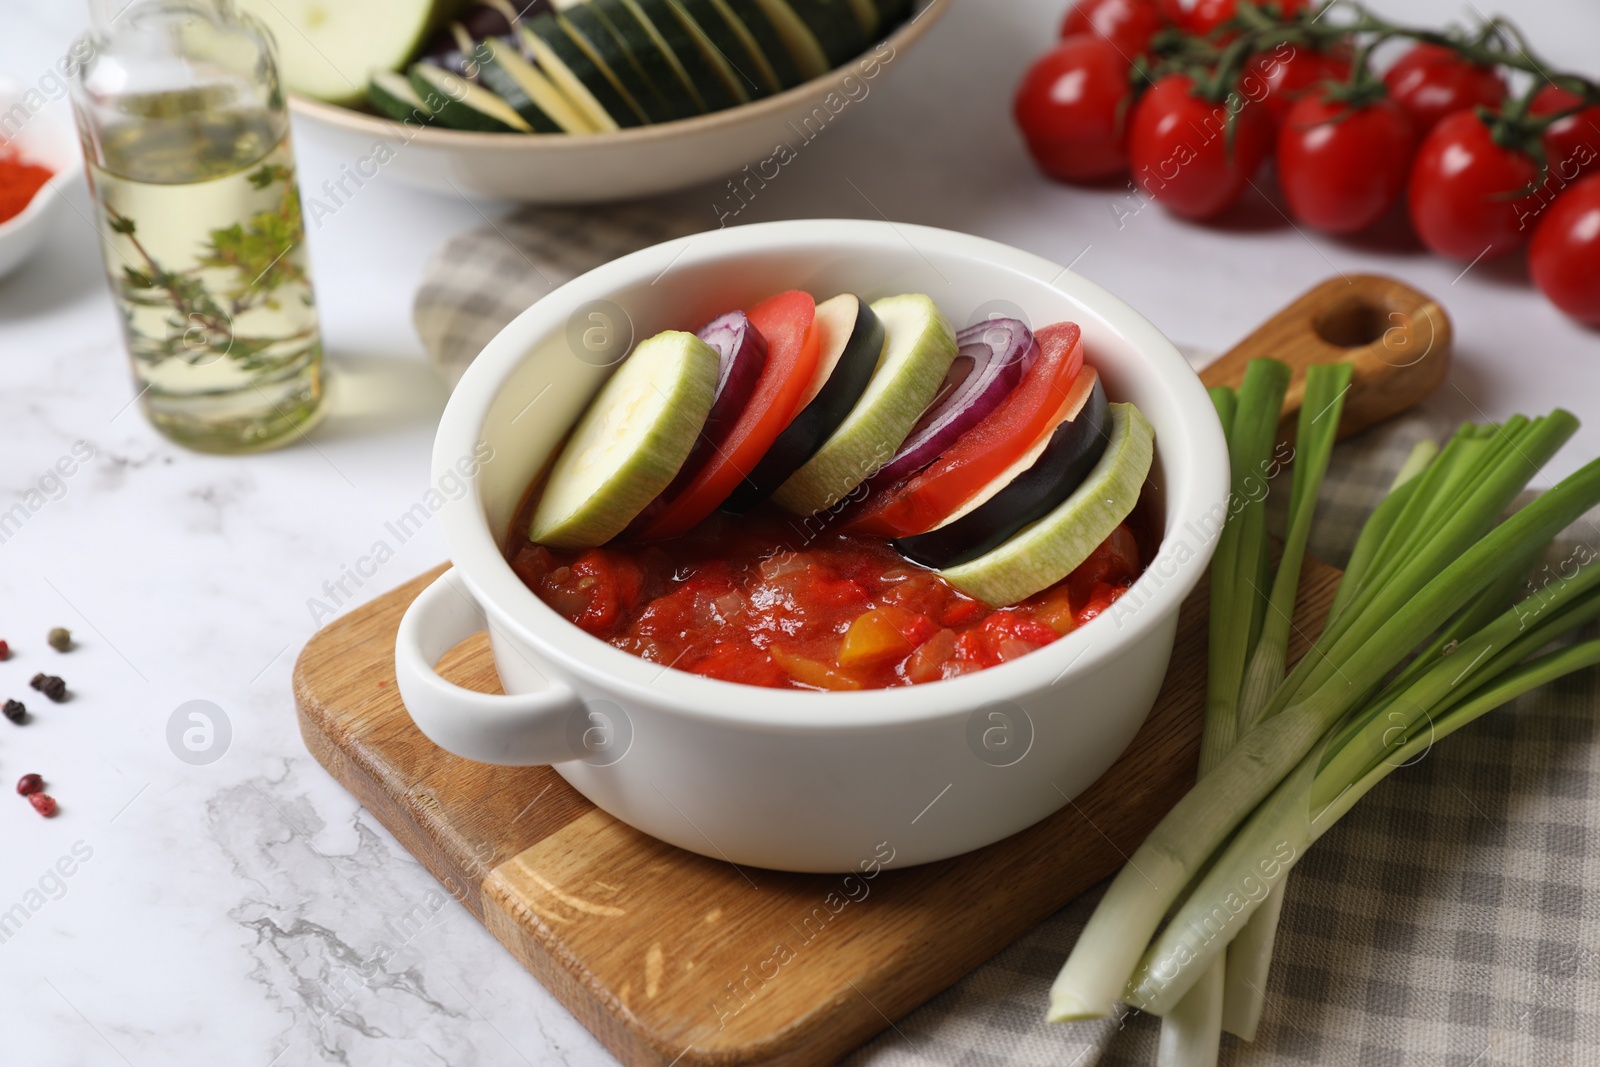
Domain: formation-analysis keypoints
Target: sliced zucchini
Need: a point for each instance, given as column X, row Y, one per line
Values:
column 766, row 43
column 461, row 105
column 329, row 50
column 836, row 28
column 707, row 70
column 592, row 33
column 866, row 14
column 576, row 75
column 641, row 33
column 801, row 44
column 658, row 70
column 891, row 13
column 919, row 347
column 752, row 75
column 492, row 74
column 522, row 85
column 1026, row 491
column 633, row 438
column 395, row 97
column 1050, row 549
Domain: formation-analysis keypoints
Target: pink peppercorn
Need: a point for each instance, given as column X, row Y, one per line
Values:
column 43, row 803
column 30, row 783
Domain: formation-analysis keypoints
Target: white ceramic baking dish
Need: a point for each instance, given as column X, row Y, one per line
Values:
column 791, row 779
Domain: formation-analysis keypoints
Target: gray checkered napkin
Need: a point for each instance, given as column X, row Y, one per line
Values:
column 1452, row 920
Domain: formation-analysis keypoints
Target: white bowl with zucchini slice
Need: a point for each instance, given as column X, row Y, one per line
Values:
column 581, row 101
column 594, row 396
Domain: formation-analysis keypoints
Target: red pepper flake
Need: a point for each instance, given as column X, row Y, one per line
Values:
column 43, row 803
column 29, row 784
column 20, row 182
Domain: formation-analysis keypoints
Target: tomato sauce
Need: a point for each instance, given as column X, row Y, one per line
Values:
column 762, row 600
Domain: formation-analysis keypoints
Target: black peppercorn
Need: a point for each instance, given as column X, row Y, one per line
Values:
column 51, row 686
column 15, row 711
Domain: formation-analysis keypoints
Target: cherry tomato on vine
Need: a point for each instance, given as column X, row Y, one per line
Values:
column 1207, row 15
column 1180, row 152
column 1128, row 24
column 1564, row 257
column 1463, row 191
column 1072, row 108
column 1432, row 81
column 1289, row 72
column 1572, row 144
column 1342, row 167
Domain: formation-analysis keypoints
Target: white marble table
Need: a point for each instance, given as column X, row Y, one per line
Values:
column 248, row 912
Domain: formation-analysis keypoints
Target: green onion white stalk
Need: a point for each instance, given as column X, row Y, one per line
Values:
column 1250, row 953
column 1248, row 660
column 1431, row 561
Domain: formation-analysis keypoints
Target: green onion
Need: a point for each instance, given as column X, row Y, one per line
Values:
column 1326, row 385
column 1380, row 522
column 1238, row 601
column 1437, row 557
column 1191, row 1031
column 1277, row 834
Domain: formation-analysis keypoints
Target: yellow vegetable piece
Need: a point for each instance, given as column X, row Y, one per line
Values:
column 872, row 639
column 808, row 671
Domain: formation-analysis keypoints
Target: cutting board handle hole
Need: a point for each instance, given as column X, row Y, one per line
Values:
column 1354, row 322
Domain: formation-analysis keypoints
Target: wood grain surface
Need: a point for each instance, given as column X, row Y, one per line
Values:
column 672, row 958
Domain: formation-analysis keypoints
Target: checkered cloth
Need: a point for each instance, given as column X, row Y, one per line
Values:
column 1452, row 920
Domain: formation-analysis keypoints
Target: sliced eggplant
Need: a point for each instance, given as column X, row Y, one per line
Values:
column 592, row 32
column 851, row 341
column 1047, row 551
column 461, row 105
column 1028, row 491
column 917, row 354
column 393, row 95
column 575, row 74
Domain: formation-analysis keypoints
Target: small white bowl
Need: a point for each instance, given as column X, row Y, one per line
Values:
column 47, row 137
column 628, row 164
column 796, row 780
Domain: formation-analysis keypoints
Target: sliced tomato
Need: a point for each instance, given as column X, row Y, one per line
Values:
column 788, row 322
column 984, row 452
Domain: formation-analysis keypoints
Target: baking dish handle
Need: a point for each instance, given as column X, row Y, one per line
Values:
column 524, row 730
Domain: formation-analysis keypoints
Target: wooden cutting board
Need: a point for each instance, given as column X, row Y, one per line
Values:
column 671, row 958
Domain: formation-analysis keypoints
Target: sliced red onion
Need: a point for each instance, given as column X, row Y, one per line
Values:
column 742, row 354
column 992, row 358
